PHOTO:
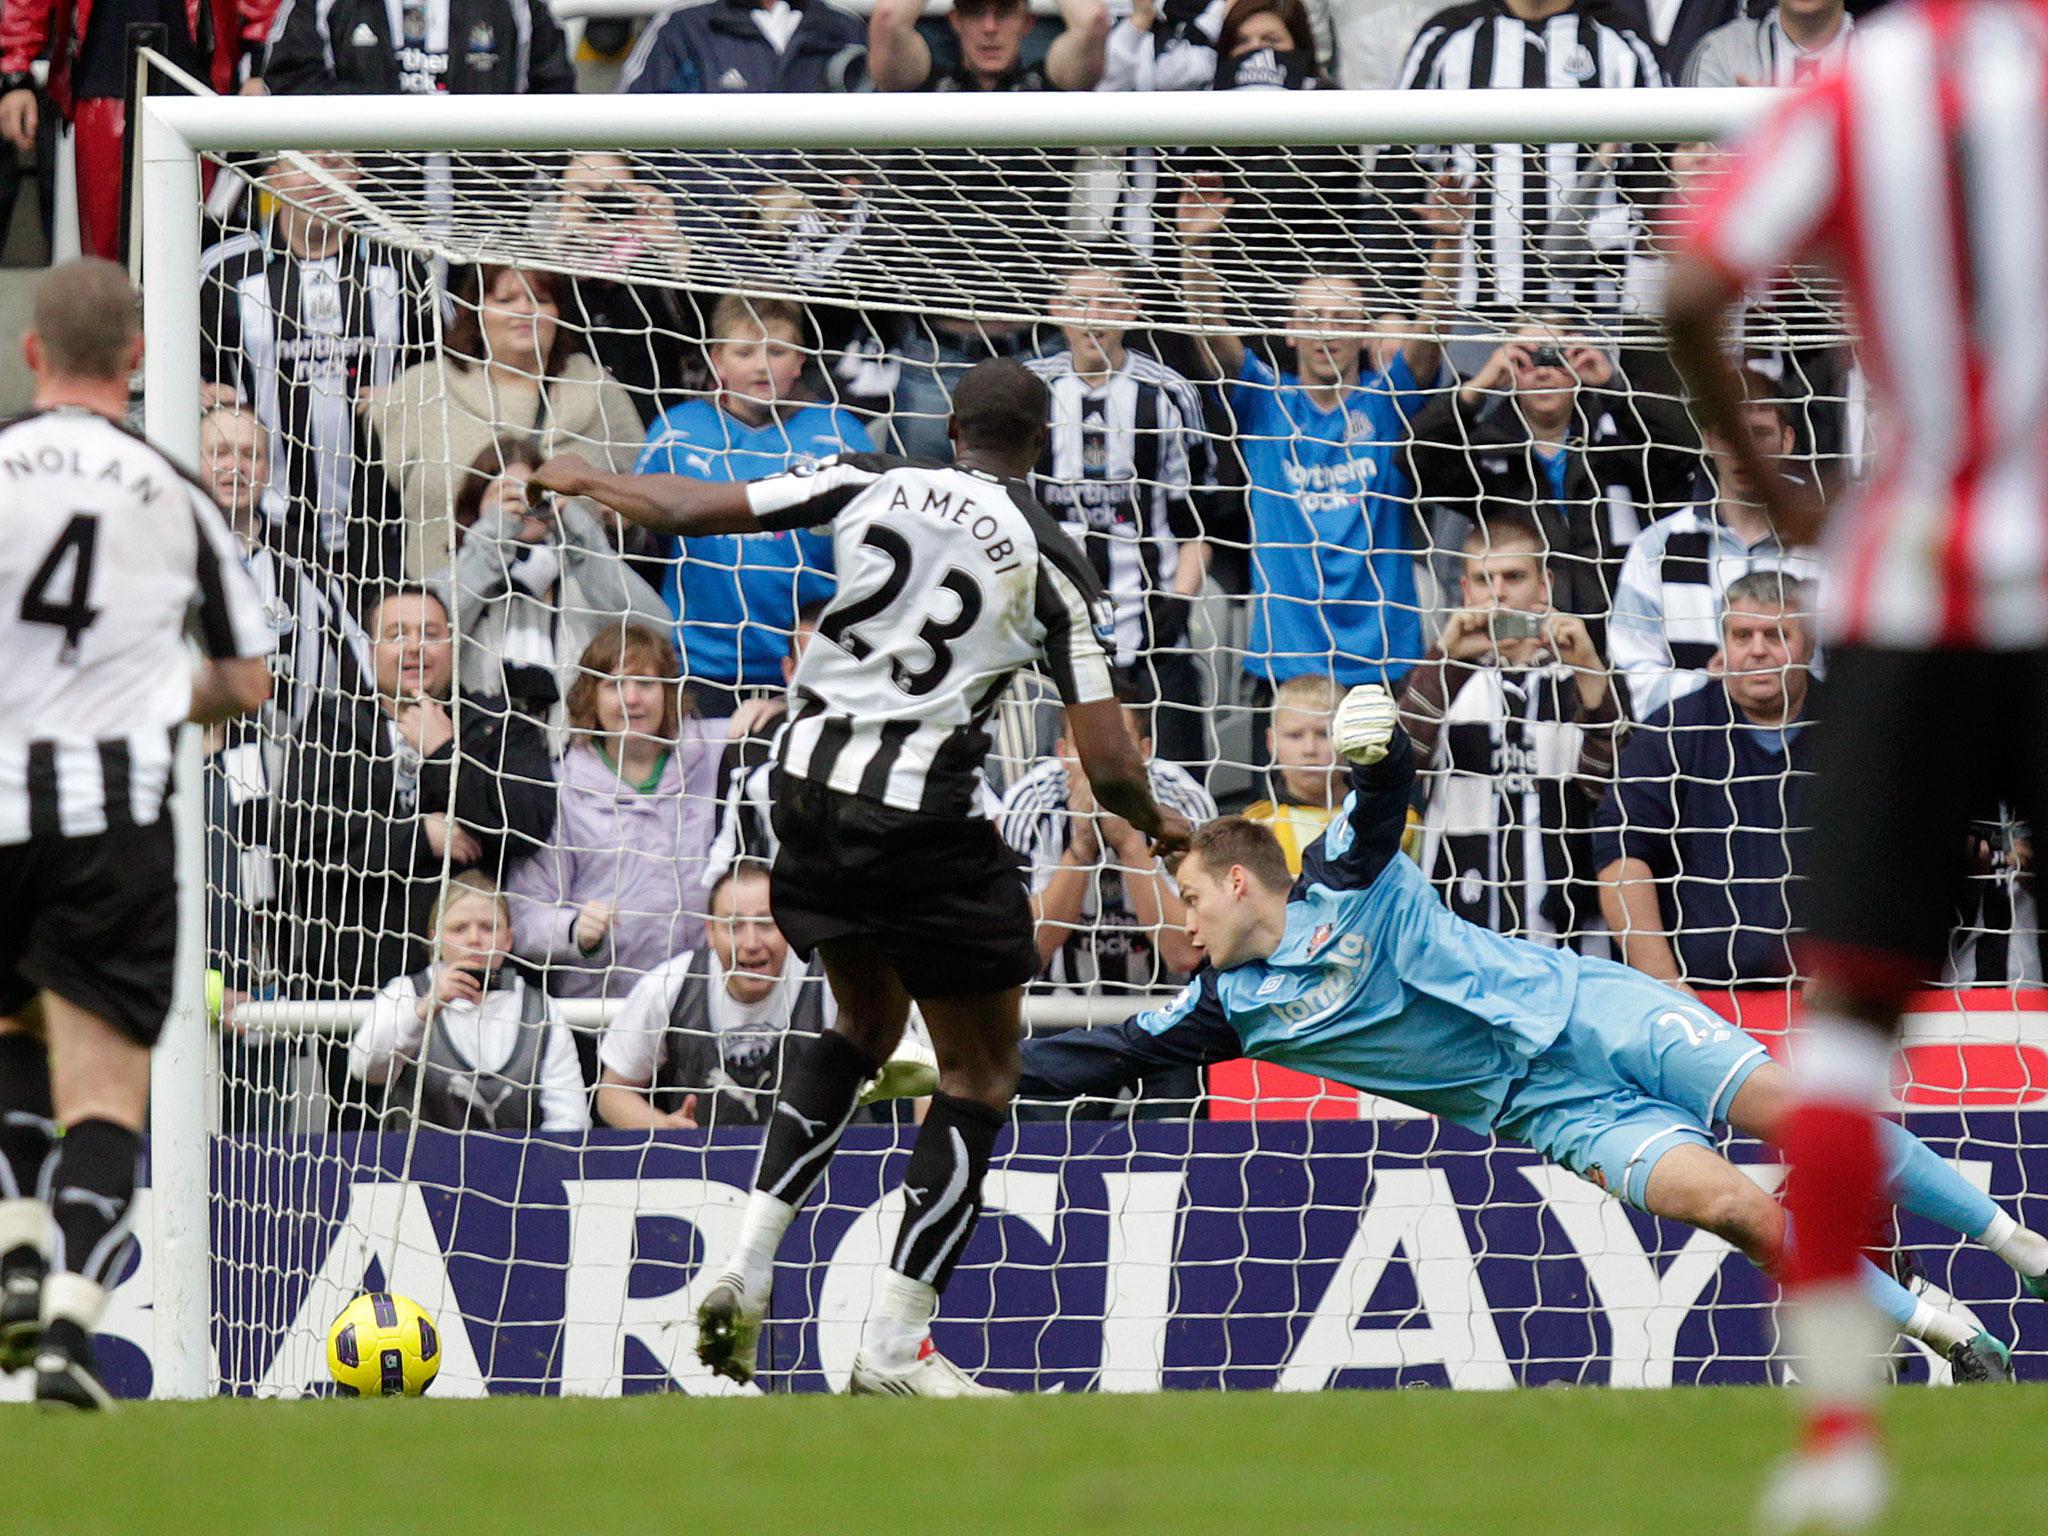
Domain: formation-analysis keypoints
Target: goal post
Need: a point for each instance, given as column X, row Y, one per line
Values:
column 1174, row 1215
column 177, row 134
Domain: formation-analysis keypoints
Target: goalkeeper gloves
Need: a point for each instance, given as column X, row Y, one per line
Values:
column 1365, row 724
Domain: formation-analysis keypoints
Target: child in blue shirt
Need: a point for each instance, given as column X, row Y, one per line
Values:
column 737, row 596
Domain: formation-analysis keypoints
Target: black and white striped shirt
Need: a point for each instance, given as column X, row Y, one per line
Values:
column 1119, row 470
column 1109, row 947
column 950, row 580
column 303, row 341
column 1535, row 203
column 1665, row 625
column 320, row 646
column 110, row 550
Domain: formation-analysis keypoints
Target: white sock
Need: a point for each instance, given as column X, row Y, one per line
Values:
column 1839, row 1061
column 900, row 1321
column 24, row 1224
column 1835, row 1337
column 2024, row 1250
column 74, row 1299
column 1944, row 1330
column 753, row 1257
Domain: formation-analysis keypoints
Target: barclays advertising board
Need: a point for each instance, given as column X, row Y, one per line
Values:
column 1247, row 1256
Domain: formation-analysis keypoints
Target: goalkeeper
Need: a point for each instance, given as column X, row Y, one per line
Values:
column 1357, row 972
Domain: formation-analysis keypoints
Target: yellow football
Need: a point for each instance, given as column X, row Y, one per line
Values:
column 383, row 1345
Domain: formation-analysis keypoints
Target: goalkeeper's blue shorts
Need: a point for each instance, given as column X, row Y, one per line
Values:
column 1640, row 1068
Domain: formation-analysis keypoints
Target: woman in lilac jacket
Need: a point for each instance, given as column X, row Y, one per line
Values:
column 620, row 886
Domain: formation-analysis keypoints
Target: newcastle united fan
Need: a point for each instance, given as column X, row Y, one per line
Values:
column 112, row 552
column 950, row 580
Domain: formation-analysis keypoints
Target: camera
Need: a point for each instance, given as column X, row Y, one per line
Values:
column 1547, row 357
column 1514, row 624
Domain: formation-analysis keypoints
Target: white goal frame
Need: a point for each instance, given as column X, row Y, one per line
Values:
column 176, row 132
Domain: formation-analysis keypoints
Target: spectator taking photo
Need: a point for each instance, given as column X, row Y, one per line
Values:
column 1519, row 718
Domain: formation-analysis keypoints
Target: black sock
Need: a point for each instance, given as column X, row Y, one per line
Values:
column 90, row 1195
column 821, row 1083
column 942, row 1188
column 26, row 1129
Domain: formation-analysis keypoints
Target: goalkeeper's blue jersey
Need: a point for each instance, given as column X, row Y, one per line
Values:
column 1375, row 984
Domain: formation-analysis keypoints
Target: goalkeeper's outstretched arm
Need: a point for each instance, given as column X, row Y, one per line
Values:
column 1190, row 1031
column 674, row 504
column 1366, row 836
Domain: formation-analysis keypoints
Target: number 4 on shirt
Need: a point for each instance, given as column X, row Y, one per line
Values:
column 71, row 556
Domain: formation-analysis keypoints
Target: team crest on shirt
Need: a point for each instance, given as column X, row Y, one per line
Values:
column 320, row 302
column 1319, row 938
column 1579, row 63
column 1358, row 427
column 483, row 46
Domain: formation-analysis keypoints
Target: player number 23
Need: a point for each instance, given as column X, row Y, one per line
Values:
column 937, row 635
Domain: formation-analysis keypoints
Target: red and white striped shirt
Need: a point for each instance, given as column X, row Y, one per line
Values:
column 1918, row 172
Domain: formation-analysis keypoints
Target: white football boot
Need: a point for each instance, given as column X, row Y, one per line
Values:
column 1842, row 1491
column 931, row 1374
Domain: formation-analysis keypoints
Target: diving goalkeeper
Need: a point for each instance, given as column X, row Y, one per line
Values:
column 1357, row 972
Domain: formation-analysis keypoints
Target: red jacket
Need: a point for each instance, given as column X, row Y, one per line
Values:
column 223, row 29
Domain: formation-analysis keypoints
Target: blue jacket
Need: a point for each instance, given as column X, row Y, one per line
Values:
column 738, row 594
column 714, row 45
column 1717, row 809
column 1375, row 984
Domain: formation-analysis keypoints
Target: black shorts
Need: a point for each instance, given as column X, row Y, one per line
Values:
column 943, row 898
column 1914, row 747
column 94, row 920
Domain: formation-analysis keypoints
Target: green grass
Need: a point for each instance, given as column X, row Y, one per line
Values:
column 1394, row 1464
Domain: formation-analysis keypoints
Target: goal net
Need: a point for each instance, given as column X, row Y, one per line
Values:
column 1334, row 398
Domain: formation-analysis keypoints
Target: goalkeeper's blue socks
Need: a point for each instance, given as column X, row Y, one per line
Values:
column 1921, row 1181
column 1915, row 1318
column 821, row 1083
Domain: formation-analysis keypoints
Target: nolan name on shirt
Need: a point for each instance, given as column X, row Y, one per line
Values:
column 69, row 463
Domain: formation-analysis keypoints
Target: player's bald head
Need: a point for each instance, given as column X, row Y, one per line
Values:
column 87, row 318
column 999, row 407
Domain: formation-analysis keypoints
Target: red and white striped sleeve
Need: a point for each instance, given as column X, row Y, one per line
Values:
column 1776, row 192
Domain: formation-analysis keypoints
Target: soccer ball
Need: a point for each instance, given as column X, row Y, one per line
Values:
column 383, row 1346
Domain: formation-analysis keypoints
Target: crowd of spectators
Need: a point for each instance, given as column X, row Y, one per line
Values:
column 519, row 755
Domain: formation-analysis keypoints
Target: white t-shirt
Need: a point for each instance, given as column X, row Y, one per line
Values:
column 485, row 1037
column 630, row 1048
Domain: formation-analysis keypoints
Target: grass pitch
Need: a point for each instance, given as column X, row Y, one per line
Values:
column 1398, row 1464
